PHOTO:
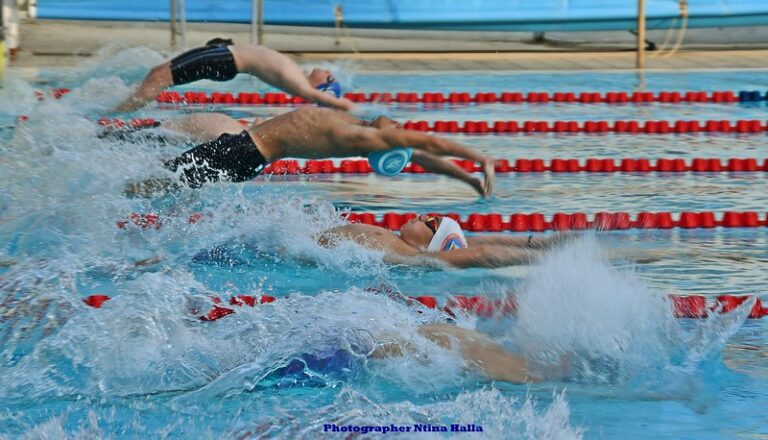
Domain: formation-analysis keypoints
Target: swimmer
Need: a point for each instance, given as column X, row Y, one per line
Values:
column 478, row 350
column 427, row 240
column 220, row 60
column 310, row 133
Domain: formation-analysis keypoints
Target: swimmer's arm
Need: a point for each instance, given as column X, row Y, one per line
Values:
column 481, row 353
column 438, row 165
column 529, row 241
column 395, row 137
column 483, row 256
column 320, row 97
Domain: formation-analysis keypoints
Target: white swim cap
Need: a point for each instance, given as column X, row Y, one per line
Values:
column 391, row 162
column 448, row 236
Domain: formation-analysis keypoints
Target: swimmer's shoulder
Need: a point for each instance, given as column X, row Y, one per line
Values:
column 366, row 235
column 360, row 229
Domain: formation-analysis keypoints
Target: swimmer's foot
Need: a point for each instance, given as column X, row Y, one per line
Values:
column 151, row 187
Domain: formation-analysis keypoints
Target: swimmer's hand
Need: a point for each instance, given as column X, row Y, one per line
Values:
column 490, row 178
column 150, row 187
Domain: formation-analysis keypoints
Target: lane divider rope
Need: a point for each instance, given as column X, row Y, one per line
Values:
column 684, row 306
column 667, row 97
column 520, row 222
column 556, row 165
column 508, row 127
column 671, row 97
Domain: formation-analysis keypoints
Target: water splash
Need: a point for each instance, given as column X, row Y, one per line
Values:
column 611, row 328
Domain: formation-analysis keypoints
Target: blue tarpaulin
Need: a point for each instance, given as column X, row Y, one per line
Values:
column 507, row 15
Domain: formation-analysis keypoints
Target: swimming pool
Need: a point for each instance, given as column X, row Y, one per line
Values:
column 143, row 364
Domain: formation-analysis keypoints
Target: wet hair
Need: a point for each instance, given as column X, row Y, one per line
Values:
column 220, row 42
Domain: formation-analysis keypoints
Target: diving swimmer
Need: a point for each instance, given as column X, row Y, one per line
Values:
column 220, row 60
column 430, row 239
column 311, row 133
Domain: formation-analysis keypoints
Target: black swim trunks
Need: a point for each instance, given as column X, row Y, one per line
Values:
column 231, row 157
column 214, row 62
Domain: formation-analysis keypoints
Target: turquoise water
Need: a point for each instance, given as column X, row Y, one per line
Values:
column 144, row 365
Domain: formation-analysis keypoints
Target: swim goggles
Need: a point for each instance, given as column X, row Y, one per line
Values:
column 432, row 223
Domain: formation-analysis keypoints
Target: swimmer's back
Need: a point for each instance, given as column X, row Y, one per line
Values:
column 308, row 132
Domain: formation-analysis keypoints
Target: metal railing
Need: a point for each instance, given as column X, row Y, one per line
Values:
column 257, row 22
column 640, row 60
column 178, row 6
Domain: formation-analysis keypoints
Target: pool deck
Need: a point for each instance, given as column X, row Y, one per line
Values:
column 52, row 43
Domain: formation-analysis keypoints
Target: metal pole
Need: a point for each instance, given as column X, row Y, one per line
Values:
column 173, row 24
column 183, row 20
column 640, row 61
column 254, row 20
column 257, row 22
column 260, row 39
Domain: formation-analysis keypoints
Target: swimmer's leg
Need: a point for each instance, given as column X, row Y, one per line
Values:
column 204, row 127
column 481, row 352
column 158, row 79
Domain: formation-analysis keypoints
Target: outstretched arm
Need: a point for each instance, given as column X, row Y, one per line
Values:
column 314, row 95
column 157, row 79
column 484, row 256
column 478, row 351
column 528, row 242
column 478, row 256
column 438, row 165
column 395, row 137
column 481, row 352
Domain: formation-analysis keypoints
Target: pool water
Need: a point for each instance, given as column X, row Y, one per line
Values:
column 145, row 365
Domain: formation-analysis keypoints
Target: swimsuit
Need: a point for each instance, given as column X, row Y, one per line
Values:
column 317, row 368
column 214, row 62
column 231, row 157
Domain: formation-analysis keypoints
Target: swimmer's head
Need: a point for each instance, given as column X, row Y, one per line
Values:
column 220, row 42
column 433, row 233
column 323, row 80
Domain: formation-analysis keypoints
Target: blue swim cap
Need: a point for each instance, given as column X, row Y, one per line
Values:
column 391, row 162
column 331, row 87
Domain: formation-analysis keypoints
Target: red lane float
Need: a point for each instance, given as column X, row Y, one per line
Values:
column 591, row 127
column 246, row 98
column 742, row 126
column 536, row 222
column 533, row 222
column 668, row 97
column 557, row 165
column 684, row 306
